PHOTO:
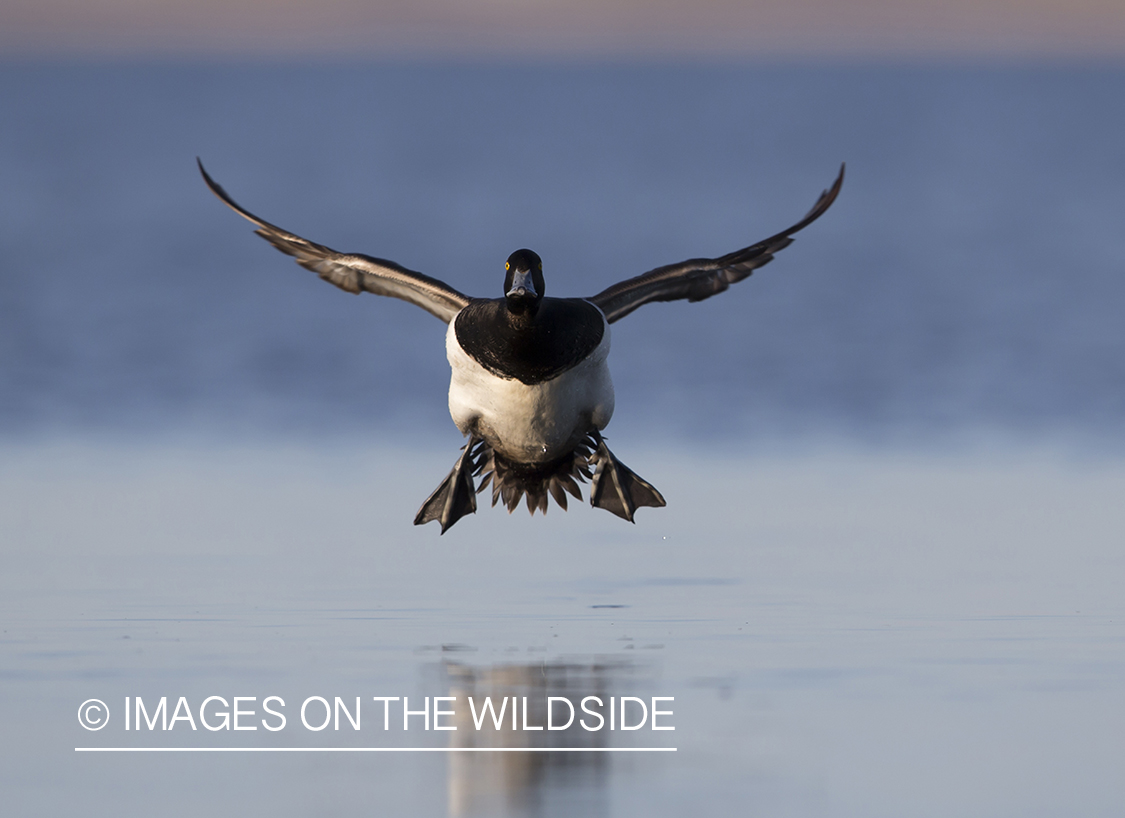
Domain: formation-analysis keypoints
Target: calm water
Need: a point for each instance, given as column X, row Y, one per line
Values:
column 888, row 578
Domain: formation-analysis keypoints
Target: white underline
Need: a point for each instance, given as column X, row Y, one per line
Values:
column 374, row 749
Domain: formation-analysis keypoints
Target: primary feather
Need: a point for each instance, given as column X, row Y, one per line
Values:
column 700, row 278
column 353, row 272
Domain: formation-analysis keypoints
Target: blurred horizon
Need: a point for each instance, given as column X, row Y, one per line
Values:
column 427, row 30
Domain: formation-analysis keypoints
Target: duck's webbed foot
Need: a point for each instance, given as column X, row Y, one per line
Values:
column 456, row 496
column 616, row 488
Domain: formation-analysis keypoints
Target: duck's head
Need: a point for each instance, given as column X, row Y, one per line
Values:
column 523, row 284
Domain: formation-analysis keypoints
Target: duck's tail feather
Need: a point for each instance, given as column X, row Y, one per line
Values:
column 512, row 482
column 613, row 485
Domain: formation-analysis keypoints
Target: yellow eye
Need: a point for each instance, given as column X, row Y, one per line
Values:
column 507, row 266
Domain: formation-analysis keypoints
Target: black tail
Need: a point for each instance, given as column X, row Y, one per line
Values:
column 511, row 482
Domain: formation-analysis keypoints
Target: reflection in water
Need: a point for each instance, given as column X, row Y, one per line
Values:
column 537, row 783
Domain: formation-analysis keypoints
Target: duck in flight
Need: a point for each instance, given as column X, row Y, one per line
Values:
column 530, row 386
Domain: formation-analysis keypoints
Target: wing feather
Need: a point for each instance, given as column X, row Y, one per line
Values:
column 700, row 278
column 353, row 272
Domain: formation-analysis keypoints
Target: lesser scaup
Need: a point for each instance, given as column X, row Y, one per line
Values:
column 530, row 386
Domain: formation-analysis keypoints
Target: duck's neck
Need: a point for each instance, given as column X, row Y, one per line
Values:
column 522, row 316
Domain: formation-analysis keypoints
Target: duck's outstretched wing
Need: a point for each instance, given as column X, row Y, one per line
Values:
column 352, row 272
column 700, row 278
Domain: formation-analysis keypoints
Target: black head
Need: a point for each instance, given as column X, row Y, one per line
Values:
column 523, row 284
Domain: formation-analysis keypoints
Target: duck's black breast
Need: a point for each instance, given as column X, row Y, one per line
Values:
column 563, row 333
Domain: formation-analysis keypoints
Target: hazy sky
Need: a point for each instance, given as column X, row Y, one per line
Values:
column 600, row 28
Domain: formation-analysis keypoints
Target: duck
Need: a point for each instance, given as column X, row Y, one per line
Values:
column 530, row 385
